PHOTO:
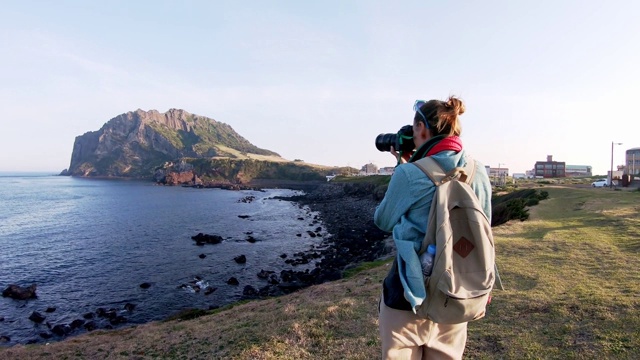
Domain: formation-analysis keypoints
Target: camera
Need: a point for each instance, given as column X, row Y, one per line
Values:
column 402, row 141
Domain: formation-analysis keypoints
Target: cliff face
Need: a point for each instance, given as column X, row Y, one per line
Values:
column 137, row 143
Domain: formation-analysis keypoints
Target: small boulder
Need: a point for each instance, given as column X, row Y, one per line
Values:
column 4, row 339
column 273, row 279
column 129, row 307
column 36, row 317
column 241, row 259
column 249, row 291
column 207, row 239
column 244, row 216
column 111, row 314
column 50, row 310
column 88, row 316
column 61, row 329
column 264, row 274
column 209, row 290
column 77, row 323
column 145, row 285
column 233, row 281
column 118, row 320
column 20, row 293
column 45, row 335
column 202, row 256
column 90, row 326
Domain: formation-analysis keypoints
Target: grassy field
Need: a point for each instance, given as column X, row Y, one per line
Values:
column 572, row 291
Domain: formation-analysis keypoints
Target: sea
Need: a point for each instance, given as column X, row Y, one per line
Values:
column 90, row 243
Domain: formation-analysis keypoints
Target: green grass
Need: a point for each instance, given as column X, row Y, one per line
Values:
column 362, row 267
column 572, row 291
column 373, row 179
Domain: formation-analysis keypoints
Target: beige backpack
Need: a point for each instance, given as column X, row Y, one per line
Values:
column 464, row 272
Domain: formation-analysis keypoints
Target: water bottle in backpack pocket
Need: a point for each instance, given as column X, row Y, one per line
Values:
column 426, row 260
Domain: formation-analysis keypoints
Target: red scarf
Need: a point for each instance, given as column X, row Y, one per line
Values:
column 449, row 143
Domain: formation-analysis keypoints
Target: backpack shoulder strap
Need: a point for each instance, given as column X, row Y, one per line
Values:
column 434, row 171
column 470, row 170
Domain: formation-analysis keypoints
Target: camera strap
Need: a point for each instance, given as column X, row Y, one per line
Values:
column 426, row 147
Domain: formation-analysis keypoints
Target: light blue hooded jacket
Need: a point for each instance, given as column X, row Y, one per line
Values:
column 404, row 211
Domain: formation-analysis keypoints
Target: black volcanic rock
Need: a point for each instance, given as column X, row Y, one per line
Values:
column 207, row 239
column 36, row 317
column 61, row 329
column 250, row 291
column 90, row 326
column 20, row 293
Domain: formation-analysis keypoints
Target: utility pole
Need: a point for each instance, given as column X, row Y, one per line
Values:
column 502, row 176
column 611, row 172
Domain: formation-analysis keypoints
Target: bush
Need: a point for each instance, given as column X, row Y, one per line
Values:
column 513, row 205
column 532, row 201
column 509, row 210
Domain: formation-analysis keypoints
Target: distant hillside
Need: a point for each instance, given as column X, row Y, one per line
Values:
column 136, row 144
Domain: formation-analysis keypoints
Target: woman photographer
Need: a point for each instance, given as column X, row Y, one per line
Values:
column 404, row 211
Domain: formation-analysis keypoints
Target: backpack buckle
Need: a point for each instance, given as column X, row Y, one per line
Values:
column 453, row 174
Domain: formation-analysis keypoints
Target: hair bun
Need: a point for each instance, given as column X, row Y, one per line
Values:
column 455, row 104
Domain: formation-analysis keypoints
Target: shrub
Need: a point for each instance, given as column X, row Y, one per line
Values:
column 509, row 210
column 532, row 201
column 513, row 205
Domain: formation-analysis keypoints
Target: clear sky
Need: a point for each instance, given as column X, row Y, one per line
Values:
column 318, row 81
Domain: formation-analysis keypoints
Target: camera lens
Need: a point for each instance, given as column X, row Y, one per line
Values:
column 384, row 142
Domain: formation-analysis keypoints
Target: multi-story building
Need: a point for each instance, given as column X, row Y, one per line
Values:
column 550, row 168
column 369, row 169
column 578, row 170
column 632, row 161
column 499, row 171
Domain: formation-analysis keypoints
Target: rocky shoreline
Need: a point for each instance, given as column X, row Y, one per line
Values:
column 344, row 219
column 346, row 211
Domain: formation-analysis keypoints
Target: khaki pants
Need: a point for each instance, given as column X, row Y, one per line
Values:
column 406, row 336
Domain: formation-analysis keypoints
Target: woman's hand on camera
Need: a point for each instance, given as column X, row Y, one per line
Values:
column 401, row 159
